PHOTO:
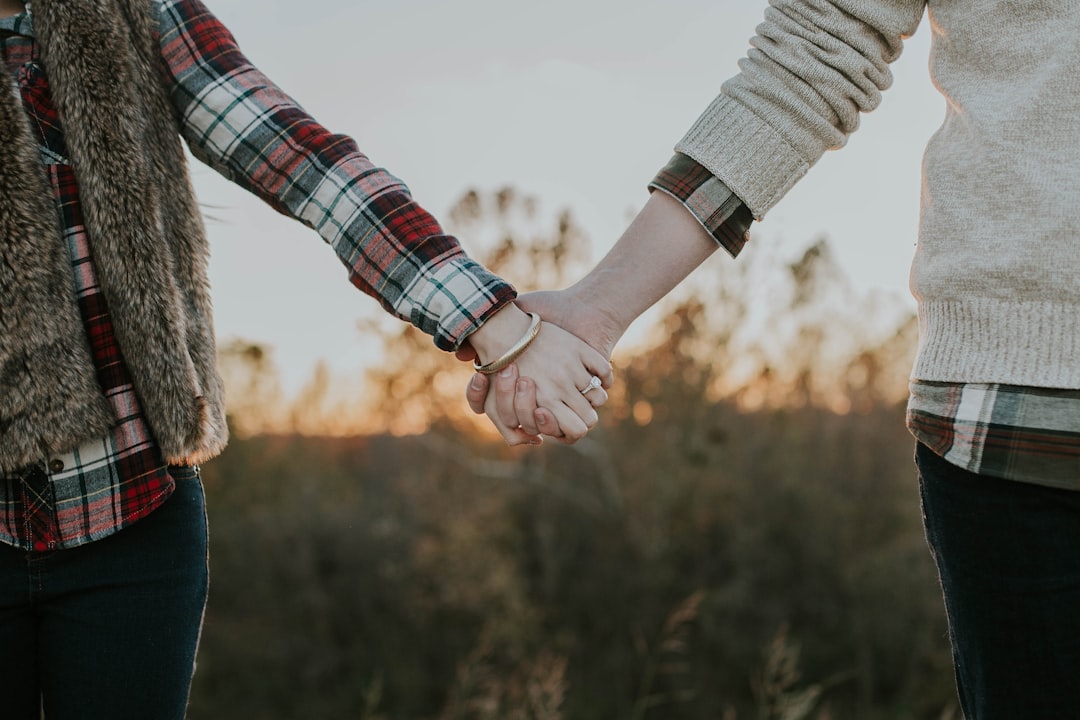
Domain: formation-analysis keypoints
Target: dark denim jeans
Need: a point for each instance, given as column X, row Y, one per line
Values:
column 1008, row 554
column 109, row 629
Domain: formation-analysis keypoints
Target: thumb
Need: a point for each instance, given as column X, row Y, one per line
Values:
column 465, row 353
column 476, row 392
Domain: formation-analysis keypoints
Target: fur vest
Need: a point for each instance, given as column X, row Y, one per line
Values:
column 148, row 247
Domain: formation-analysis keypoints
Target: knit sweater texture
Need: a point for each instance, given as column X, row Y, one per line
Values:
column 992, row 308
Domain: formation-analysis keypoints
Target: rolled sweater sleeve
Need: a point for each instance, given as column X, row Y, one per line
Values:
column 238, row 122
column 813, row 67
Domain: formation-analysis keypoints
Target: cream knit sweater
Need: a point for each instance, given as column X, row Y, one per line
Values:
column 997, row 270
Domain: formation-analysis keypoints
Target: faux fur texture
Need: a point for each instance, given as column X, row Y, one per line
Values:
column 147, row 242
column 48, row 389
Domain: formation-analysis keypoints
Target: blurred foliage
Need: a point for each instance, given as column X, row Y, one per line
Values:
column 739, row 539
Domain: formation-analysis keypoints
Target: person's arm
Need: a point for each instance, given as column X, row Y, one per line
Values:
column 813, row 68
column 237, row 121
column 705, row 200
column 240, row 123
column 718, row 213
column 663, row 245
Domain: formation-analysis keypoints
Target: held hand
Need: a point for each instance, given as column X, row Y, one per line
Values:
column 661, row 247
column 560, row 308
column 521, row 392
column 576, row 315
column 506, row 380
column 552, row 374
column 559, row 365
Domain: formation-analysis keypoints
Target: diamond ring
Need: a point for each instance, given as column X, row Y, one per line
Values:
column 594, row 384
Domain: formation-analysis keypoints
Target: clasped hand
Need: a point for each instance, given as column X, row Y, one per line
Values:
column 549, row 390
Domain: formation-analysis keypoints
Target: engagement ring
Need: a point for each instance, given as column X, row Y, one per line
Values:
column 594, row 384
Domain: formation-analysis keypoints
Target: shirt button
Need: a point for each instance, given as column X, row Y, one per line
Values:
column 56, row 465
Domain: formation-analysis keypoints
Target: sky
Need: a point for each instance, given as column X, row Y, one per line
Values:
column 576, row 102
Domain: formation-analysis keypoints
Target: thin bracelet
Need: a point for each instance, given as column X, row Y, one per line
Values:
column 515, row 350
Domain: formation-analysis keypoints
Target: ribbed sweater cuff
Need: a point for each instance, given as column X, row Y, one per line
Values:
column 744, row 152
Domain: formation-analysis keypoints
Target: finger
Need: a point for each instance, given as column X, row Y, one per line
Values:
column 599, row 366
column 580, row 405
column 477, row 391
column 505, row 386
column 525, row 406
column 546, row 423
column 517, row 436
column 573, row 421
column 594, row 392
column 596, row 396
column 512, row 435
column 465, row 353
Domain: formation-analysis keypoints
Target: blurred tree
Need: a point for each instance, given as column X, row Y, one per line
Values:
column 252, row 386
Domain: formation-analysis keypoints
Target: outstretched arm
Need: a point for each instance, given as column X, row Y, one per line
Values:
column 813, row 68
column 661, row 247
column 239, row 122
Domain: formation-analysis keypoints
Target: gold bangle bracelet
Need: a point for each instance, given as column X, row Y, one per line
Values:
column 515, row 350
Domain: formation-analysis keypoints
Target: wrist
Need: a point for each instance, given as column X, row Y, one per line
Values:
column 663, row 244
column 606, row 320
column 499, row 332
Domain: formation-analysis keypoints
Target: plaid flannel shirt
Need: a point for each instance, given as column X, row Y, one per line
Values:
column 1017, row 433
column 235, row 120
